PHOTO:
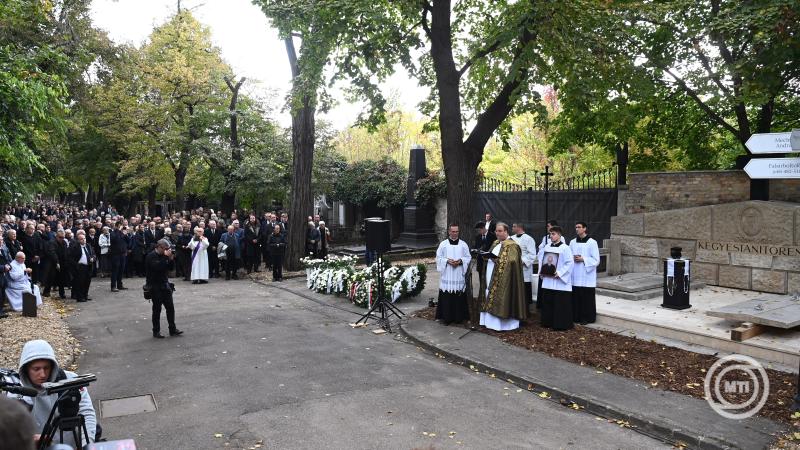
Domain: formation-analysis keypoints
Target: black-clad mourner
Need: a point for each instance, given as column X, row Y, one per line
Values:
column 158, row 288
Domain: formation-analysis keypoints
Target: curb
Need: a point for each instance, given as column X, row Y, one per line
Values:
column 661, row 431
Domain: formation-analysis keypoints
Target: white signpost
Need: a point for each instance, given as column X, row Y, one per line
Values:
column 766, row 143
column 773, row 168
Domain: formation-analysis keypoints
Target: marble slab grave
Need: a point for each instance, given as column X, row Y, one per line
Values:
column 631, row 282
column 779, row 311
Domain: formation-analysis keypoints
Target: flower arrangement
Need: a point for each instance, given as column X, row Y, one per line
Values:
column 338, row 275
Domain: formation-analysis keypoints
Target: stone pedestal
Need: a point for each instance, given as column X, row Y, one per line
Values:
column 417, row 221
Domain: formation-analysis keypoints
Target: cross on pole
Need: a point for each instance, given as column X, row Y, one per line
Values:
column 546, row 174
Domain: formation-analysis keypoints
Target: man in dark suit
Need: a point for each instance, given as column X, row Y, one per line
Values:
column 81, row 257
column 117, row 252
column 213, row 234
column 483, row 242
column 55, row 259
column 490, row 223
column 5, row 261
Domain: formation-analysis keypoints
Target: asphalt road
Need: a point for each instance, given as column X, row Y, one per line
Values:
column 260, row 364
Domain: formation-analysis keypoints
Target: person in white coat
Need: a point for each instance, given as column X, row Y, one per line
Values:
column 529, row 255
column 19, row 282
column 198, row 247
column 586, row 255
column 555, row 270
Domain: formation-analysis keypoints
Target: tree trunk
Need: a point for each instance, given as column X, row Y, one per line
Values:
column 229, row 196
column 180, row 181
column 303, row 136
column 90, row 194
column 461, row 158
column 151, row 200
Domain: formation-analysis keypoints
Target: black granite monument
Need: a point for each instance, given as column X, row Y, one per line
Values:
column 417, row 220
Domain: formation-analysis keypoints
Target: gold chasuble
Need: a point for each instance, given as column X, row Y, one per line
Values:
column 506, row 291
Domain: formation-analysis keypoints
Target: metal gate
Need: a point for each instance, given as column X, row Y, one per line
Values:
column 590, row 198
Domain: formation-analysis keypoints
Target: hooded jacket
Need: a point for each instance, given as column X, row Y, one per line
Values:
column 42, row 405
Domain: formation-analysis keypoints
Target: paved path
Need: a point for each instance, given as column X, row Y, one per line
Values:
column 261, row 363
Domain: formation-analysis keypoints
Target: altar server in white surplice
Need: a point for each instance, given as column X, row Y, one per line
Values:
column 586, row 255
column 542, row 245
column 555, row 267
column 529, row 255
column 452, row 261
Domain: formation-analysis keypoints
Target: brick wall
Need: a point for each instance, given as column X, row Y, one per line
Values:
column 662, row 191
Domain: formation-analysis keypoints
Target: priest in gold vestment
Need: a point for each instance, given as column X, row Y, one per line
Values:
column 502, row 301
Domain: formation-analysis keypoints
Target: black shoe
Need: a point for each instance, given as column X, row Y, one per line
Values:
column 83, row 300
column 175, row 333
column 122, row 288
column 203, row 281
column 158, row 335
column 3, row 315
column 195, row 282
column 227, row 278
column 236, row 277
column 256, row 271
column 88, row 299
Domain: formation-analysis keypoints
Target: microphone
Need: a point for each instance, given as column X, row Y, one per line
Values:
column 21, row 390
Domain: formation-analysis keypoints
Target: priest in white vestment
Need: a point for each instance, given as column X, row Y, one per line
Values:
column 19, row 282
column 198, row 247
column 503, row 303
column 452, row 261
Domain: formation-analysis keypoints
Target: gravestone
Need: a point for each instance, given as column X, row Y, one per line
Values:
column 780, row 311
column 417, row 220
column 634, row 286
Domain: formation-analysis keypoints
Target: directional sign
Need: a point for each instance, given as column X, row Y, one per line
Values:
column 765, row 143
column 773, row 168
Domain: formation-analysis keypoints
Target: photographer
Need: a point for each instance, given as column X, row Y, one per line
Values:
column 37, row 365
column 158, row 264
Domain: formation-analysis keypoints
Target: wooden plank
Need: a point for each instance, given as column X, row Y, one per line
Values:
column 746, row 331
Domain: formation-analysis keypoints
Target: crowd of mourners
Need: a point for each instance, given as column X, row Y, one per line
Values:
column 47, row 248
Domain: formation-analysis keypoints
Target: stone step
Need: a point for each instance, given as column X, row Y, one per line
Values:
column 703, row 338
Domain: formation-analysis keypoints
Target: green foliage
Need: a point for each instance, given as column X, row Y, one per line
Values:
column 431, row 188
column 33, row 94
column 379, row 182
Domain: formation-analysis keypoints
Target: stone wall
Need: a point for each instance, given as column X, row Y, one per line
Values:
column 662, row 191
column 769, row 231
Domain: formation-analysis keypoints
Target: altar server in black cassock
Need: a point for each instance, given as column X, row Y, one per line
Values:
column 452, row 261
column 586, row 255
column 542, row 245
column 555, row 270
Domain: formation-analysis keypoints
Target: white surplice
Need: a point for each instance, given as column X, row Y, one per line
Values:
column 488, row 320
column 564, row 268
column 584, row 274
column 452, row 279
column 528, row 247
column 200, row 260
